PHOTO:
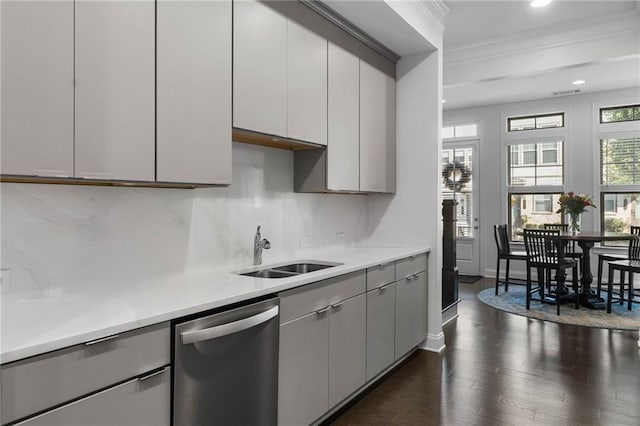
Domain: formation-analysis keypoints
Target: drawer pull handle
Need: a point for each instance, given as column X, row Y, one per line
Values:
column 337, row 305
column 104, row 339
column 384, row 287
column 152, row 374
column 323, row 310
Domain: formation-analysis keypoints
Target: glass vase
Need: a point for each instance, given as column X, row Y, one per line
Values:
column 574, row 223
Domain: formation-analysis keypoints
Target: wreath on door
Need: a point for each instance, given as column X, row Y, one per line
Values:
column 456, row 176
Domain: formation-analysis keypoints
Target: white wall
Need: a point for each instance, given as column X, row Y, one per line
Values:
column 581, row 150
column 56, row 238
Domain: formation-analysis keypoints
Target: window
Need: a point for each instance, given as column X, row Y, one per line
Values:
column 620, row 161
column 620, row 113
column 537, row 164
column 619, row 184
column 463, row 156
column 620, row 211
column 532, row 122
column 535, row 179
column 543, row 203
column 532, row 211
column 460, row 131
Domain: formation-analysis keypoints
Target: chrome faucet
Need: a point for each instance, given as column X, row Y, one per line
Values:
column 258, row 244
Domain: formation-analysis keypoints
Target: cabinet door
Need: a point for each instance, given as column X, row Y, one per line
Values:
column 347, row 348
column 144, row 401
column 37, row 88
column 259, row 68
column 115, row 89
column 306, row 85
column 381, row 306
column 303, row 377
column 343, row 139
column 194, row 91
column 411, row 313
column 377, row 130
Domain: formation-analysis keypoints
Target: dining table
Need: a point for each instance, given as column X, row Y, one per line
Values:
column 586, row 240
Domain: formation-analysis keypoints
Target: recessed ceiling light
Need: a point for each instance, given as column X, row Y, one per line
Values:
column 444, row 100
column 578, row 82
column 540, row 3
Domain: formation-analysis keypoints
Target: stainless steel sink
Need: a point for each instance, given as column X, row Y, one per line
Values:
column 289, row 269
column 269, row 273
column 302, row 268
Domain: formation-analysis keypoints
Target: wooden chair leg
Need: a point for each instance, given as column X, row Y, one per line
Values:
column 575, row 286
column 609, row 289
column 528, row 298
column 630, row 291
column 600, row 265
column 497, row 275
column 622, row 281
column 506, row 277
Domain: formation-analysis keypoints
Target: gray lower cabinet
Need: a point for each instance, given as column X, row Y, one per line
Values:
column 37, row 384
column 347, row 343
column 304, row 369
column 411, row 313
column 140, row 401
column 322, row 351
column 381, row 311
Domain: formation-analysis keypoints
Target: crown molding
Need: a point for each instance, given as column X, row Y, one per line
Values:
column 531, row 41
column 435, row 10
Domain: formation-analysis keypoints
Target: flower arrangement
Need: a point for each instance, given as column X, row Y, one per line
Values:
column 574, row 204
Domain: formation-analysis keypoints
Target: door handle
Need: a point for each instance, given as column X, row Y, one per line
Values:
column 196, row 336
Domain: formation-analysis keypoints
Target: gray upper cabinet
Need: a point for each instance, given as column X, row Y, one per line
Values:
column 306, row 85
column 259, row 68
column 37, row 88
column 343, row 150
column 115, row 90
column 377, row 130
column 194, row 91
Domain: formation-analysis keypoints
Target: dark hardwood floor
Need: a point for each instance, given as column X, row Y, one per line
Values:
column 503, row 369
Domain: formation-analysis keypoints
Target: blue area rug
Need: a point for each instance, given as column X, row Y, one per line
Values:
column 513, row 302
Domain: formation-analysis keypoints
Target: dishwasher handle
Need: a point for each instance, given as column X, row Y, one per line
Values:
column 196, row 336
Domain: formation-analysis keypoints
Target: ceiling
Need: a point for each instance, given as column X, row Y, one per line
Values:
column 507, row 51
column 500, row 51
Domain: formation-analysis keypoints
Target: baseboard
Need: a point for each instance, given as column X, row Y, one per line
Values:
column 433, row 343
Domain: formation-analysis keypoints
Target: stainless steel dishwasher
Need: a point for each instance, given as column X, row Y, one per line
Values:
column 226, row 367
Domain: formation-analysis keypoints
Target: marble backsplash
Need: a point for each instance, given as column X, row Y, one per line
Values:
column 56, row 238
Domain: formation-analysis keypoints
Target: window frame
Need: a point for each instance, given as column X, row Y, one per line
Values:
column 535, row 120
column 634, row 107
column 537, row 151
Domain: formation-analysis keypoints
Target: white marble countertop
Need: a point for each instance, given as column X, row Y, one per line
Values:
column 32, row 326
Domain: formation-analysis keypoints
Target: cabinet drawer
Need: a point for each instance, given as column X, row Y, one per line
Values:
column 37, row 383
column 411, row 265
column 144, row 401
column 305, row 299
column 380, row 275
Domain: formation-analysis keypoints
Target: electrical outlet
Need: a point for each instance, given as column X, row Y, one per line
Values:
column 304, row 242
column 5, row 279
column 340, row 238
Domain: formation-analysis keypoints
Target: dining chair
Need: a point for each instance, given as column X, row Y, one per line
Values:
column 631, row 265
column 612, row 257
column 543, row 254
column 501, row 236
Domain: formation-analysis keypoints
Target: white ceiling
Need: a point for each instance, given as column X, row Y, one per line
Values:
column 506, row 51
